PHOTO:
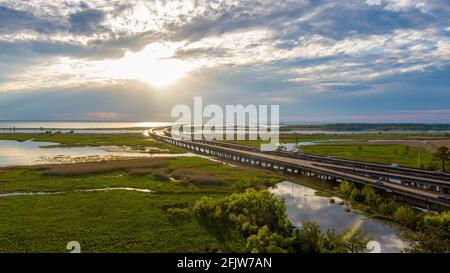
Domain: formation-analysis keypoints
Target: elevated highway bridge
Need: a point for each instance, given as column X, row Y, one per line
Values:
column 425, row 187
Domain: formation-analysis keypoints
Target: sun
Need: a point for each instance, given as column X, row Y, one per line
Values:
column 154, row 65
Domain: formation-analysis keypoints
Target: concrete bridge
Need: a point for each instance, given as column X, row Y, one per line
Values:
column 427, row 191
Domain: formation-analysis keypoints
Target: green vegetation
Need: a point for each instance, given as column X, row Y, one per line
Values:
column 426, row 232
column 367, row 127
column 118, row 220
column 139, row 173
column 102, row 222
column 235, row 215
column 163, row 220
column 383, row 154
column 442, row 154
column 357, row 147
column 260, row 219
column 134, row 141
column 288, row 137
column 433, row 234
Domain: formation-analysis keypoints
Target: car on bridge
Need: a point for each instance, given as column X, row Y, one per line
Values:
column 378, row 182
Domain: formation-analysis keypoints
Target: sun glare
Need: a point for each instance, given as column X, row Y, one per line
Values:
column 152, row 65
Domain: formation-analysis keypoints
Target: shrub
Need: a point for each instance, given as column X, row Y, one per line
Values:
column 345, row 188
column 370, row 197
column 265, row 241
column 261, row 218
column 356, row 195
column 406, row 216
column 433, row 235
column 249, row 211
column 179, row 212
column 387, row 209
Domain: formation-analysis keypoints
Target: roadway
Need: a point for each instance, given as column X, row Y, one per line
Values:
column 353, row 174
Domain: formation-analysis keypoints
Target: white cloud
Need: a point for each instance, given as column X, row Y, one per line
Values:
column 228, row 34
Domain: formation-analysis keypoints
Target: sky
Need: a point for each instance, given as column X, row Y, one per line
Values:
column 321, row 61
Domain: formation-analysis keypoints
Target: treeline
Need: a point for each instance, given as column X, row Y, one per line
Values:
column 367, row 126
column 427, row 232
column 260, row 218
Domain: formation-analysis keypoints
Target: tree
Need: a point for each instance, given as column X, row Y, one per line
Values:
column 370, row 197
column 433, row 236
column 265, row 241
column 442, row 153
column 356, row 243
column 345, row 188
column 260, row 218
column 308, row 240
column 387, row 208
column 356, row 195
column 406, row 216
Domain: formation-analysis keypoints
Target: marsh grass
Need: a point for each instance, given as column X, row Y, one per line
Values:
column 134, row 141
column 160, row 174
column 202, row 179
column 120, row 220
column 140, row 171
column 133, row 166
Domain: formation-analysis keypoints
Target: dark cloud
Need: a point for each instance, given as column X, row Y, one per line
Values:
column 86, row 21
column 12, row 21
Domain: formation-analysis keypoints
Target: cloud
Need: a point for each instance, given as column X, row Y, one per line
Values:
column 86, row 21
column 103, row 115
column 281, row 51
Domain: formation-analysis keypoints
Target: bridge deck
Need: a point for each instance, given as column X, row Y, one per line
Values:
column 334, row 170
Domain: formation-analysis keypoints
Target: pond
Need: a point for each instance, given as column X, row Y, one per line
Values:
column 15, row 153
column 303, row 204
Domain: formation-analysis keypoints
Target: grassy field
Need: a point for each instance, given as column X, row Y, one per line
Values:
column 134, row 141
column 292, row 138
column 132, row 221
column 117, row 220
column 384, row 154
column 101, row 222
column 356, row 147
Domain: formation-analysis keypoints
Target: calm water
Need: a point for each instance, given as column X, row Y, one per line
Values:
column 310, row 132
column 302, row 204
column 79, row 125
column 24, row 126
column 15, row 153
